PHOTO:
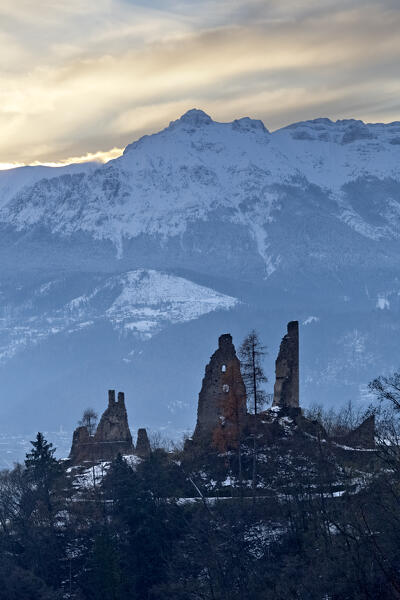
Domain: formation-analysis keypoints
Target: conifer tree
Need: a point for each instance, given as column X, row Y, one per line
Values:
column 42, row 468
column 251, row 354
column 105, row 572
column 41, row 454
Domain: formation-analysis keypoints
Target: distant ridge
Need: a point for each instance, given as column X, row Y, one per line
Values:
column 122, row 272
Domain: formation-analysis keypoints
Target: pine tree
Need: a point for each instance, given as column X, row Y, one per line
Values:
column 42, row 469
column 41, row 455
column 251, row 354
column 105, row 573
column 43, row 502
column 121, row 487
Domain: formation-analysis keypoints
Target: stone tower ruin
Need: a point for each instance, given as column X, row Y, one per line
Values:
column 222, row 419
column 143, row 448
column 286, row 389
column 222, row 393
column 112, row 436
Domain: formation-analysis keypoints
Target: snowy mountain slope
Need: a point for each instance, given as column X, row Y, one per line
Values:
column 139, row 303
column 331, row 154
column 128, row 261
column 196, row 167
column 14, row 180
column 348, row 158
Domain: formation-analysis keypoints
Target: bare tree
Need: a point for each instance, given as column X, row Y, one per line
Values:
column 337, row 422
column 387, row 388
column 89, row 420
column 387, row 391
column 251, row 354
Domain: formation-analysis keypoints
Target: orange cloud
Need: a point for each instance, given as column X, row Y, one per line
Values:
column 82, row 76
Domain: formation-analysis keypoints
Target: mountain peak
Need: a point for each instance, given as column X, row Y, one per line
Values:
column 248, row 124
column 190, row 120
column 195, row 117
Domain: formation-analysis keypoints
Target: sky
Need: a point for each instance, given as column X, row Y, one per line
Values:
column 80, row 79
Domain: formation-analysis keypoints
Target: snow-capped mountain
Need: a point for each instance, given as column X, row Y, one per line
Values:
column 137, row 302
column 303, row 222
column 165, row 182
column 13, row 180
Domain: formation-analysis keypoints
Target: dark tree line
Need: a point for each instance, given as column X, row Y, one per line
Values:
column 142, row 534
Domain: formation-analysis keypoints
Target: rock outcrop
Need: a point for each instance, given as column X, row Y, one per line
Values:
column 112, row 436
column 143, row 449
column 286, row 389
column 222, row 399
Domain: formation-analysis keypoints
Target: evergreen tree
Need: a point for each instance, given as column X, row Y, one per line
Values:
column 42, row 469
column 104, row 577
column 251, row 354
column 40, row 463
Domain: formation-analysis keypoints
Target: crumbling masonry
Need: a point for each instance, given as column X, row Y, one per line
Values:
column 222, row 392
column 222, row 416
column 143, row 449
column 222, row 401
column 286, row 389
column 112, row 436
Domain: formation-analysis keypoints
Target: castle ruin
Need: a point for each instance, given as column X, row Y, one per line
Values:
column 112, row 436
column 222, row 399
column 286, row 388
column 143, row 449
column 222, row 417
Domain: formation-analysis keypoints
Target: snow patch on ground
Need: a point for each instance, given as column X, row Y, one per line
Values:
column 91, row 477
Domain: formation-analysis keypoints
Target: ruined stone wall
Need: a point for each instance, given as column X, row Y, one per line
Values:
column 222, row 395
column 81, row 445
column 286, row 389
column 361, row 437
column 143, row 449
column 112, row 436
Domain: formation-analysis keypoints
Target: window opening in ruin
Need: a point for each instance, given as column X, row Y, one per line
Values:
column 223, row 368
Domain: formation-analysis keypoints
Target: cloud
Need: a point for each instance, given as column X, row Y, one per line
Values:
column 80, row 78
